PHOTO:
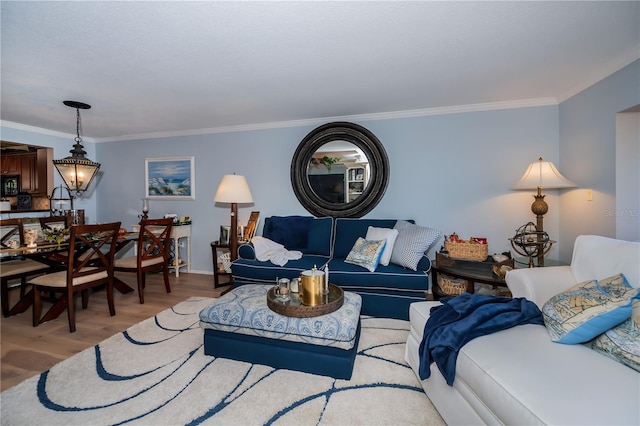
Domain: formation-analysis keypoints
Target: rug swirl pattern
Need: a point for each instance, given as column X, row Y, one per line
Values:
column 156, row 373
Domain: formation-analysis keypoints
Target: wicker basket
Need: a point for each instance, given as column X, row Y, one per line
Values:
column 451, row 286
column 225, row 258
column 467, row 251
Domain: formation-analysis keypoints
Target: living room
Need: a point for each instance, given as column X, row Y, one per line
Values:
column 452, row 160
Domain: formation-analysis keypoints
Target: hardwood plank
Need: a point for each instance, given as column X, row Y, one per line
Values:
column 28, row 351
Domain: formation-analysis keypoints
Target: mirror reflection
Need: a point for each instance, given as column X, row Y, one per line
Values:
column 338, row 172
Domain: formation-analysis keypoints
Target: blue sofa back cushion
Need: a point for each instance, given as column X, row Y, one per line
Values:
column 319, row 239
column 290, row 231
column 348, row 230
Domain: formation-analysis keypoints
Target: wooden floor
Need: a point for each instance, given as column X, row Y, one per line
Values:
column 27, row 351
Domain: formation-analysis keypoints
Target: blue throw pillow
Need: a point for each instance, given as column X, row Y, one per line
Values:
column 290, row 231
column 366, row 253
column 588, row 309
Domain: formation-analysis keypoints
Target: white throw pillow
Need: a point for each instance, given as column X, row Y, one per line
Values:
column 388, row 234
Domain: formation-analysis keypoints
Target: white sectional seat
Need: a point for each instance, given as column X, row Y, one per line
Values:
column 519, row 376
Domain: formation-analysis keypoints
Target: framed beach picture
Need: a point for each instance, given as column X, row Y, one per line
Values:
column 170, row 178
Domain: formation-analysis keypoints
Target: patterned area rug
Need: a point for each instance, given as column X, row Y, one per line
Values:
column 156, row 373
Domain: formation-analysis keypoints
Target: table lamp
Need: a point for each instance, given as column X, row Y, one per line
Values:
column 233, row 189
column 542, row 174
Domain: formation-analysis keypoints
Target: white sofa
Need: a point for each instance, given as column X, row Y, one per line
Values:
column 519, row 376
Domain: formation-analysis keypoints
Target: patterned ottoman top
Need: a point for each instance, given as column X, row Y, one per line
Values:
column 244, row 310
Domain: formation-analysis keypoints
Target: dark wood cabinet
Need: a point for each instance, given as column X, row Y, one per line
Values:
column 28, row 172
column 10, row 165
column 35, row 170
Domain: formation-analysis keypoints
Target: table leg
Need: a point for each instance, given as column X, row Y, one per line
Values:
column 23, row 304
column 121, row 286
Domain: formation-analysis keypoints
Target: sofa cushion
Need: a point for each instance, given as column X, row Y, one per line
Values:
column 246, row 271
column 347, row 231
column 290, row 231
column 366, row 253
column 412, row 242
column 588, row 309
column 320, row 234
column 389, row 235
column 622, row 342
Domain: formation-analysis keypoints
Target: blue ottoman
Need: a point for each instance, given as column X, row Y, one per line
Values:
column 240, row 326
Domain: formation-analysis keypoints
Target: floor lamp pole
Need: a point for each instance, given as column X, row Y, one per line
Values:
column 540, row 208
column 233, row 232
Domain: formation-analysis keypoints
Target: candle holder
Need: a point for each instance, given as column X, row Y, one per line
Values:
column 57, row 201
column 145, row 209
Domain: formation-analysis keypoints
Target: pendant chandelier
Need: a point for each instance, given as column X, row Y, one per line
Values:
column 76, row 170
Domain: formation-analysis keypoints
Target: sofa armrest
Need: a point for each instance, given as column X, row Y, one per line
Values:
column 539, row 284
column 247, row 251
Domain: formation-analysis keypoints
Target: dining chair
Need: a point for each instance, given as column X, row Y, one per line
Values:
column 89, row 264
column 17, row 268
column 49, row 223
column 152, row 253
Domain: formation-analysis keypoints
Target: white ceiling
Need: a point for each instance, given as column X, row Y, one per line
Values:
column 171, row 68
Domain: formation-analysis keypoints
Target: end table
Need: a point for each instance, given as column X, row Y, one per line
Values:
column 218, row 270
column 470, row 271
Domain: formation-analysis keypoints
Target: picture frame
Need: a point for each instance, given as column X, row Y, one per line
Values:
column 170, row 178
column 252, row 225
column 224, row 234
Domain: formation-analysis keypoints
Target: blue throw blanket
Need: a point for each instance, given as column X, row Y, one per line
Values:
column 461, row 319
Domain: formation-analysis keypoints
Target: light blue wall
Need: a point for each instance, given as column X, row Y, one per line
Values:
column 587, row 154
column 451, row 172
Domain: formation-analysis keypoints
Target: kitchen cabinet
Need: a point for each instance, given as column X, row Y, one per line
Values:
column 10, row 164
column 35, row 169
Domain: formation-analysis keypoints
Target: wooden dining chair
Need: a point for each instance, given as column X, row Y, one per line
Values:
column 152, row 253
column 18, row 267
column 89, row 264
column 49, row 223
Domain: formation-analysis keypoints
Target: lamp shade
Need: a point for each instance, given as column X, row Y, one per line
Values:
column 543, row 174
column 233, row 189
column 77, row 172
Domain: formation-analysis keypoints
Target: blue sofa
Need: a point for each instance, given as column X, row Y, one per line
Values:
column 386, row 292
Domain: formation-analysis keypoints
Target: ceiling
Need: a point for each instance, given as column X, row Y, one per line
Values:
column 156, row 68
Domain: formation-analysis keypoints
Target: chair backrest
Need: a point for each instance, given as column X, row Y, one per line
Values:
column 597, row 257
column 11, row 229
column 91, row 250
column 51, row 222
column 153, row 240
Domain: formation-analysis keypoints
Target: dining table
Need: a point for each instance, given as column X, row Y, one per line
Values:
column 54, row 254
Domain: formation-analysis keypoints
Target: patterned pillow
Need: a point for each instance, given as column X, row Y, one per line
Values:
column 412, row 242
column 622, row 343
column 366, row 253
column 588, row 309
column 387, row 234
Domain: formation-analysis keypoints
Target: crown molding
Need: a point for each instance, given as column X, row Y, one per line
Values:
column 458, row 109
column 603, row 72
column 42, row 131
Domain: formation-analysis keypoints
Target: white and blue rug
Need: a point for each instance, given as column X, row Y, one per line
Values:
column 156, row 373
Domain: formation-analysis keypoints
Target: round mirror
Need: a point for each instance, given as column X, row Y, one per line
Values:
column 340, row 169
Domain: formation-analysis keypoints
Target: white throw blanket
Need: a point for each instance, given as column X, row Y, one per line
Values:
column 270, row 250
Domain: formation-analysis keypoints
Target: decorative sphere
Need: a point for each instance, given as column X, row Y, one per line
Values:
column 530, row 242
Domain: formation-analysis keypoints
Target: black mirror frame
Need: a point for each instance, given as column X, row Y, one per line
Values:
column 378, row 166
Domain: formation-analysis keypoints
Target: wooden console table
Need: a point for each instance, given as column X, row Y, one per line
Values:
column 470, row 271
